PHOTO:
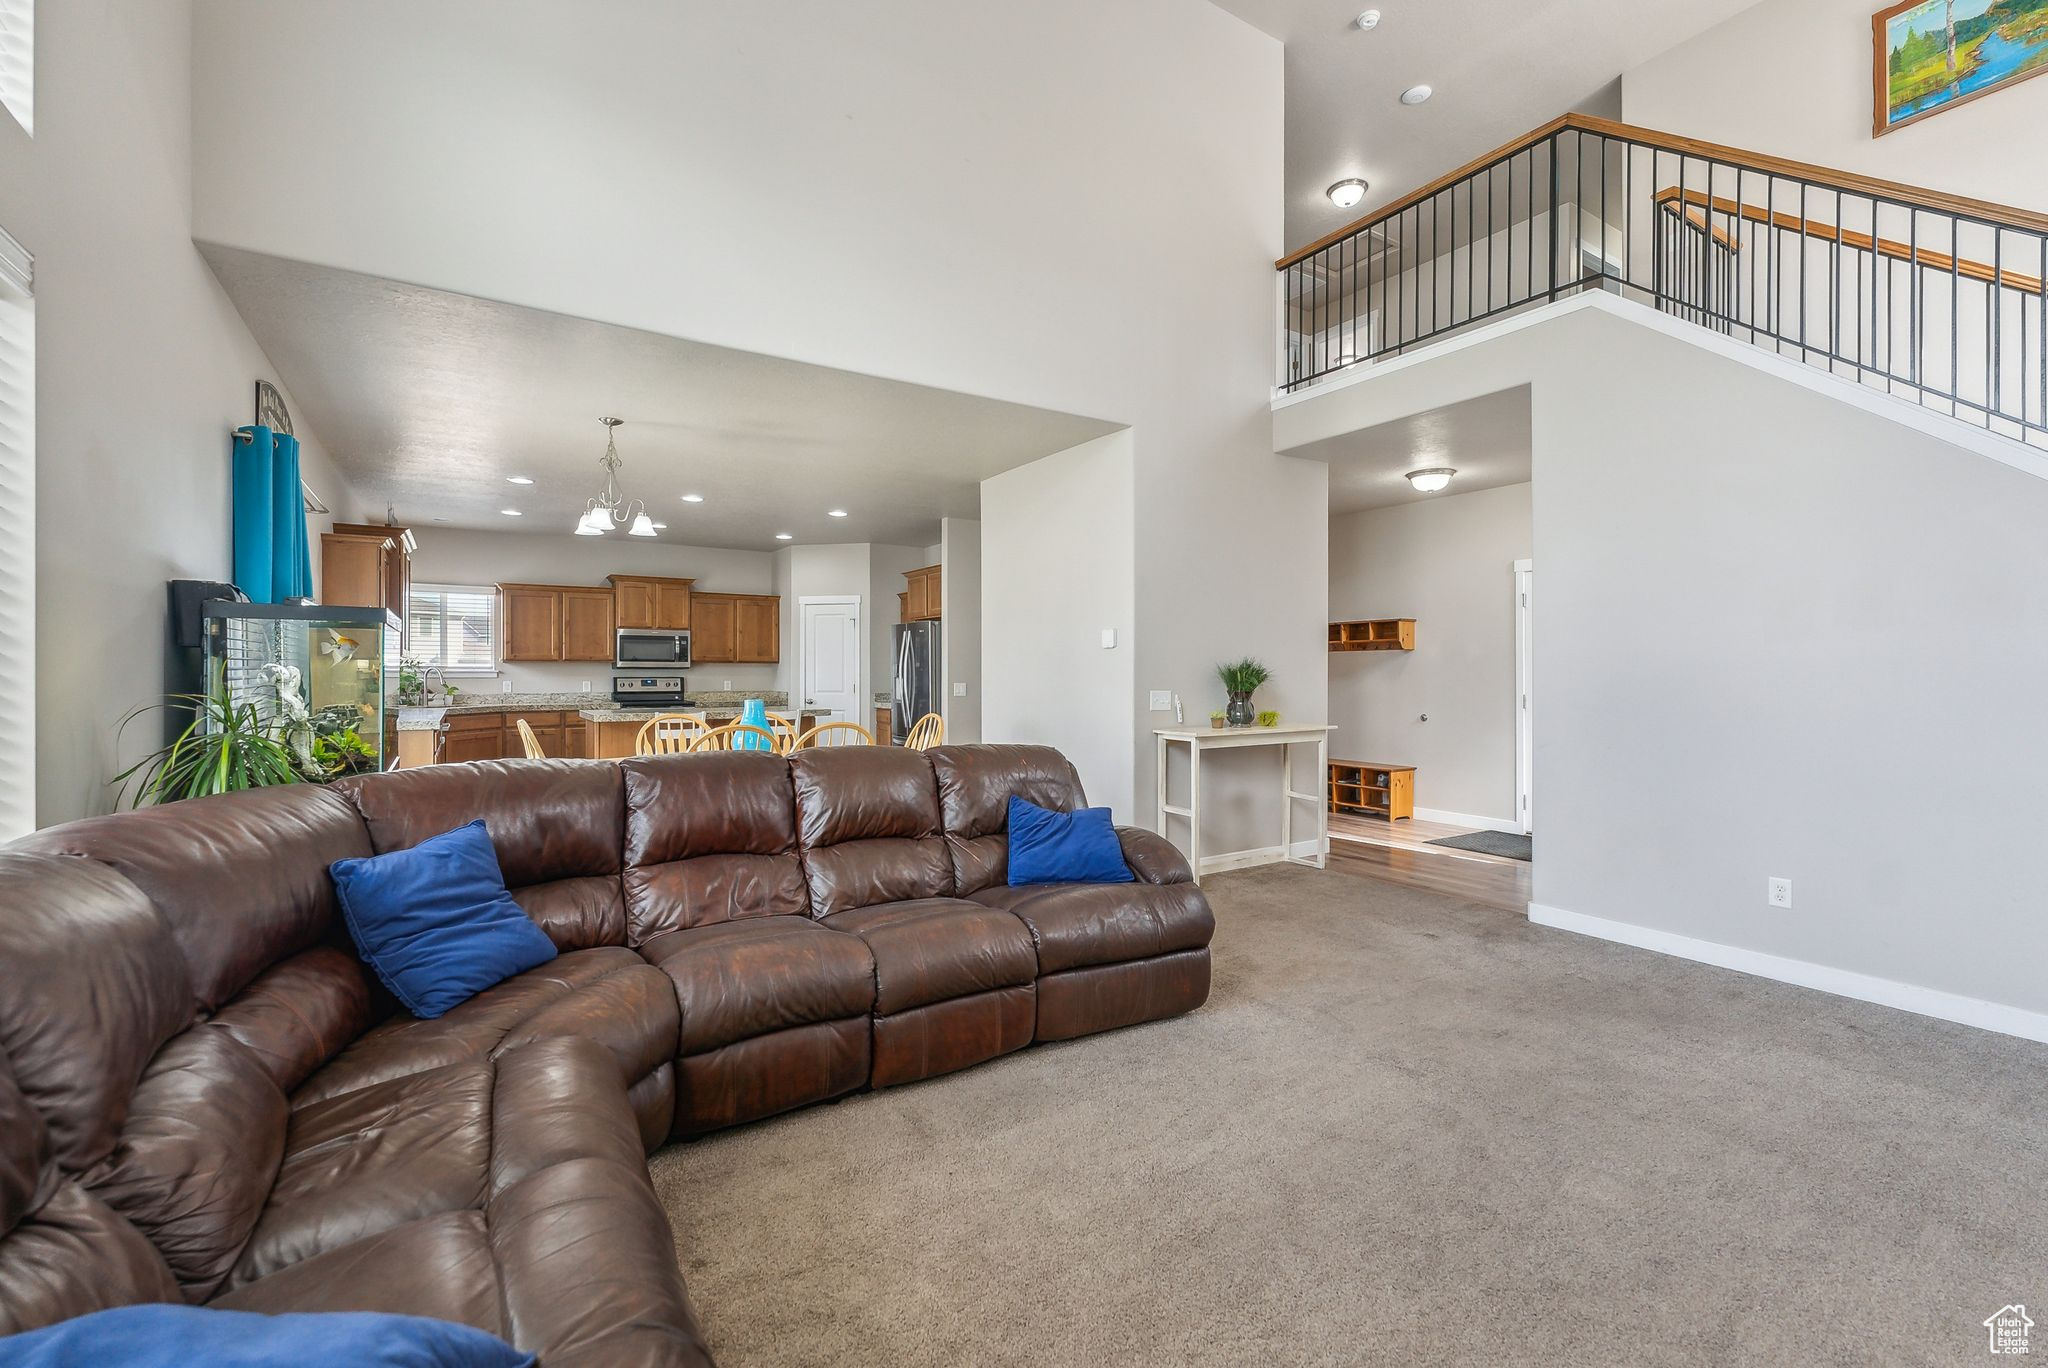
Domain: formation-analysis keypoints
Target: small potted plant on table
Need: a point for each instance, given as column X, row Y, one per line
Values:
column 1241, row 679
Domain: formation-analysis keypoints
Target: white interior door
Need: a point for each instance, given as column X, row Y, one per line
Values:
column 829, row 647
column 1525, row 670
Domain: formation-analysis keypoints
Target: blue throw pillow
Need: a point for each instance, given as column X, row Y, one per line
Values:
column 1064, row 847
column 168, row 1336
column 435, row 921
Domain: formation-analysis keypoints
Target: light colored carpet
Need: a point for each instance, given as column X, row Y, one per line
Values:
column 1404, row 1130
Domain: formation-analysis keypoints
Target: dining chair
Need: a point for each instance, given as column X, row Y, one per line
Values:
column 669, row 734
column 786, row 731
column 929, row 731
column 828, row 734
column 728, row 738
column 531, row 742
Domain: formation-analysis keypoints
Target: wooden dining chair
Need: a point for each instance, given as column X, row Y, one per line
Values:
column 827, row 734
column 727, row 738
column 669, row 734
column 529, row 741
column 929, row 731
column 786, row 731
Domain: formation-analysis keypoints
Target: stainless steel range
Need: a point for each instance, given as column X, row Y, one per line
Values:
column 650, row 691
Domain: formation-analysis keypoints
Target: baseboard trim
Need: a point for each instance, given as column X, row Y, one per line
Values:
column 1906, row 997
column 1261, row 855
column 1467, row 819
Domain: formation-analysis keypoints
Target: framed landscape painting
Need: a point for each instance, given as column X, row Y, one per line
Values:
column 1930, row 55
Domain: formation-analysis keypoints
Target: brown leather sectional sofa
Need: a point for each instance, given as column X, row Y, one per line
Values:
column 206, row 1097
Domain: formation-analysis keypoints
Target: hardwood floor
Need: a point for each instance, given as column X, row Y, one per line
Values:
column 1399, row 852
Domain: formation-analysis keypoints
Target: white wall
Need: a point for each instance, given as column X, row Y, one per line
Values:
column 1042, row 662
column 886, row 565
column 142, row 368
column 1447, row 563
column 1792, row 78
column 1811, row 653
column 960, row 630
column 834, row 571
column 447, row 556
column 559, row 161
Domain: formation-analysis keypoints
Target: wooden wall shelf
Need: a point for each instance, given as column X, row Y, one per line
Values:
column 1373, row 634
column 1361, row 786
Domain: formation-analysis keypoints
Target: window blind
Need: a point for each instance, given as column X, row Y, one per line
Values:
column 453, row 626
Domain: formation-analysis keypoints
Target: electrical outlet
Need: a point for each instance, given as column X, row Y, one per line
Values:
column 1781, row 892
column 959, row 691
column 1109, row 638
column 586, row 686
column 728, row 685
column 1162, row 700
column 504, row 686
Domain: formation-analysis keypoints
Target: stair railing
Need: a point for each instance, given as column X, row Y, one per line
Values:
column 1931, row 296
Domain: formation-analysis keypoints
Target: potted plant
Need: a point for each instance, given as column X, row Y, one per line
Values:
column 1216, row 719
column 227, row 746
column 1241, row 679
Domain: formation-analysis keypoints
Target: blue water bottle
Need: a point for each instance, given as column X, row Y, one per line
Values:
column 753, row 713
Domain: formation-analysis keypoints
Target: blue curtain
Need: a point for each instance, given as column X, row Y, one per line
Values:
column 273, row 559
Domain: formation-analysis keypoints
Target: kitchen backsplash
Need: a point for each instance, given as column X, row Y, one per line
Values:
column 569, row 677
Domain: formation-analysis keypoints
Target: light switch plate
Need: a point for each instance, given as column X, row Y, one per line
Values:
column 1162, row 700
column 959, row 691
column 1109, row 638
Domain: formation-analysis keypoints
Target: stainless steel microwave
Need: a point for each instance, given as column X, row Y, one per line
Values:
column 639, row 646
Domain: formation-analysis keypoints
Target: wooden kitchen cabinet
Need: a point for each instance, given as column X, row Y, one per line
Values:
column 921, row 600
column 353, row 568
column 903, row 606
column 531, row 618
column 474, row 736
column 587, row 632
column 651, row 602
column 742, row 629
column 394, row 573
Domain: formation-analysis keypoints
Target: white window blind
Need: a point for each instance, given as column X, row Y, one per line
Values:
column 17, row 541
column 18, row 61
column 454, row 626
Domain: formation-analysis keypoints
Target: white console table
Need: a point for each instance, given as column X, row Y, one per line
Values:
column 1200, row 740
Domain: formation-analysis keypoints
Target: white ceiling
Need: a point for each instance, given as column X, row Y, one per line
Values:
column 428, row 401
column 1500, row 69
column 1486, row 440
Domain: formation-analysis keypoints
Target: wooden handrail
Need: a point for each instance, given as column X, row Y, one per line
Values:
column 1699, row 200
column 1698, row 219
column 1848, row 182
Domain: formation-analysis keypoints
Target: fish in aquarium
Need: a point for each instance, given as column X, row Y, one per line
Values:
column 338, row 647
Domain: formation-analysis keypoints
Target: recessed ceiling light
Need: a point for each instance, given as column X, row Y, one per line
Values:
column 1369, row 20
column 693, row 498
column 1346, row 193
column 440, row 520
column 518, row 479
column 1431, row 480
column 1415, row 95
column 785, row 536
column 511, row 512
column 835, row 512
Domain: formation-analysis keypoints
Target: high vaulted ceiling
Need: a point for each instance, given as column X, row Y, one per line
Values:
column 428, row 401
column 1499, row 68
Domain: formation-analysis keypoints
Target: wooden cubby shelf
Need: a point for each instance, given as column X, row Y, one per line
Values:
column 1373, row 634
column 1361, row 786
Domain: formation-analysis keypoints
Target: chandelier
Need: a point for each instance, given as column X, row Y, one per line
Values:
column 609, row 511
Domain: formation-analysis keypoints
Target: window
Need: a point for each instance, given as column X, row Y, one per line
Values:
column 18, row 61
column 17, row 540
column 454, row 626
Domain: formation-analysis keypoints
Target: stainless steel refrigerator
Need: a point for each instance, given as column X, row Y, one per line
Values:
column 915, row 690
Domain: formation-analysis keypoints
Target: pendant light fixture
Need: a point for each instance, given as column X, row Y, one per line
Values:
column 609, row 510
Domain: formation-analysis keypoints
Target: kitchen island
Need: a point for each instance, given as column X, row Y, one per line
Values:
column 572, row 725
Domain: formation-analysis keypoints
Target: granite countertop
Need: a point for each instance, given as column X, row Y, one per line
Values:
column 612, row 713
column 883, row 700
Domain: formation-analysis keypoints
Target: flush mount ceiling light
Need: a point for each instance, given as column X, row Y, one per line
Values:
column 1415, row 95
column 693, row 498
column 785, row 536
column 1346, row 193
column 610, row 510
column 1369, row 20
column 835, row 512
column 518, row 479
column 1431, row 480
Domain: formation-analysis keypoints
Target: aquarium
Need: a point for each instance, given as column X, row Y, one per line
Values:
column 330, row 665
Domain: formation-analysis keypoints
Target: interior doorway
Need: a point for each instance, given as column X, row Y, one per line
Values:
column 1525, row 685
column 828, row 653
